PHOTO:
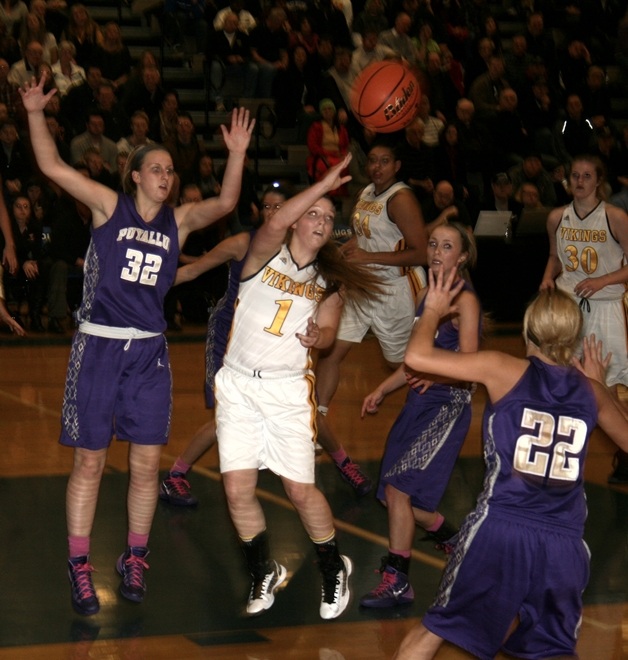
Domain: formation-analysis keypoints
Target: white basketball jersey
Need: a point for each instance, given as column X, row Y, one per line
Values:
column 375, row 231
column 587, row 248
column 272, row 306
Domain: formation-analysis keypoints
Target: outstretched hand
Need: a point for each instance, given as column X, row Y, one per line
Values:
column 312, row 333
column 32, row 93
column 238, row 136
column 333, row 177
column 593, row 363
column 441, row 292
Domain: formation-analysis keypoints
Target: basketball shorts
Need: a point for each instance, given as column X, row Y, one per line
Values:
column 504, row 568
column 266, row 423
column 112, row 390
column 390, row 317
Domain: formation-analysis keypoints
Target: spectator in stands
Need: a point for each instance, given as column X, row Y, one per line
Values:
column 398, row 39
column 113, row 56
column 369, row 51
column 607, row 150
column 327, row 142
column 94, row 137
column 304, row 35
column 33, row 28
column 510, row 138
column 81, row 97
column 485, row 89
column 425, row 43
column 433, row 124
column 8, row 91
column 205, row 179
column 529, row 196
column 147, row 94
column 164, row 125
column 575, row 134
column 503, row 198
column 66, row 71
column 442, row 205
column 539, row 111
column 449, row 161
column 230, row 65
column 417, row 161
column 329, row 17
column 475, row 147
column 596, row 98
column 573, row 63
column 139, row 133
column 58, row 132
column 68, row 245
column 9, row 47
column 113, row 112
column 246, row 20
column 296, row 93
column 98, row 170
column 269, row 49
column 373, row 16
column 185, row 149
column 12, row 13
column 15, row 167
column 52, row 12
column 531, row 170
column 440, row 87
column 479, row 63
column 517, row 62
column 337, row 82
column 23, row 70
column 86, row 35
column 541, row 44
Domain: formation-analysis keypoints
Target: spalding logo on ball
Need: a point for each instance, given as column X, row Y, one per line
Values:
column 385, row 96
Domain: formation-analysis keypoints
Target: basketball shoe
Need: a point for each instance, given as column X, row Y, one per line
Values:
column 446, row 537
column 175, row 489
column 84, row 598
column 131, row 565
column 352, row 474
column 335, row 591
column 263, row 588
column 394, row 589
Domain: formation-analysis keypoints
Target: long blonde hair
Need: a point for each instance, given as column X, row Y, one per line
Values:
column 553, row 323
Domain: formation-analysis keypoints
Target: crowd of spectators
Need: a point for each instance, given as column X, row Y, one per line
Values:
column 496, row 113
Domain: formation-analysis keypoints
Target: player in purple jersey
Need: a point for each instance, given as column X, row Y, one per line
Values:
column 118, row 379
column 426, row 438
column 516, row 577
column 175, row 488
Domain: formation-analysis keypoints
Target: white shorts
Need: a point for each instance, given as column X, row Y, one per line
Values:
column 266, row 423
column 390, row 318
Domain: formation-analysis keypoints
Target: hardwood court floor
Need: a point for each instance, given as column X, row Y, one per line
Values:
column 197, row 583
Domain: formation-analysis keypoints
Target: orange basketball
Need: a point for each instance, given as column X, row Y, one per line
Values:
column 385, row 96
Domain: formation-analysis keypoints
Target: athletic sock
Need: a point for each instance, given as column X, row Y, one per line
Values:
column 137, row 540
column 339, row 456
column 437, row 524
column 180, row 466
column 78, row 546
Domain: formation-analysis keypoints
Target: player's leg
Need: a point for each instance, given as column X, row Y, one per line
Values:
column 419, row 644
column 81, row 500
column 327, row 378
column 141, row 504
column 317, row 519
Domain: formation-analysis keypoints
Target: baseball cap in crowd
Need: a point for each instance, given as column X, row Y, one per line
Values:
column 501, row 178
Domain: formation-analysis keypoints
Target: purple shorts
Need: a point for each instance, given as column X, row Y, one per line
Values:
column 508, row 567
column 110, row 390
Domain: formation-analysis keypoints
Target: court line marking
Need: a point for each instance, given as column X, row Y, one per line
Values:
column 35, row 406
column 364, row 534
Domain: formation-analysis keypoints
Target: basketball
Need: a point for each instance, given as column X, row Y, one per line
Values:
column 385, row 96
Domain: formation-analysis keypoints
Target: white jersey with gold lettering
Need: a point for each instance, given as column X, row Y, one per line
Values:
column 272, row 306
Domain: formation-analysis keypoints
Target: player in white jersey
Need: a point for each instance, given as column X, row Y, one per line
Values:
column 588, row 248
column 289, row 302
column 118, row 380
column 389, row 237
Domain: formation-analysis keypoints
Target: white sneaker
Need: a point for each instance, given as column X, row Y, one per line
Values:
column 262, row 594
column 335, row 592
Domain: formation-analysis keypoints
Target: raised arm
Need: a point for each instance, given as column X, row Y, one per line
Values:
column 100, row 199
column 194, row 216
column 272, row 233
column 498, row 371
column 234, row 247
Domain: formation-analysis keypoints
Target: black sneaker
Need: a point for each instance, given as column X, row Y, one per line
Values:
column 262, row 594
column 446, row 537
column 131, row 566
column 175, row 489
column 84, row 598
column 336, row 592
column 352, row 474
